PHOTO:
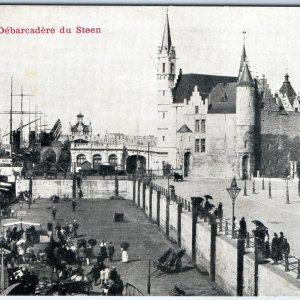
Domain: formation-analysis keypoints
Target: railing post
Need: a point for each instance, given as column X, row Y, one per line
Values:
column 134, row 190
column 150, row 200
column 253, row 186
column 189, row 206
column 221, row 224
column 158, row 208
column 240, row 266
column 194, row 227
column 185, row 204
column 226, row 227
column 167, row 214
column 179, row 212
column 255, row 268
column 139, row 193
column 213, row 236
column 270, row 189
column 144, row 196
column 248, row 240
column 263, row 183
column 286, row 262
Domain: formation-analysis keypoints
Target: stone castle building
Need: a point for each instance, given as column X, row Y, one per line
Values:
column 224, row 126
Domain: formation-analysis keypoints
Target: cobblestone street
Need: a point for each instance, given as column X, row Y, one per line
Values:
column 146, row 242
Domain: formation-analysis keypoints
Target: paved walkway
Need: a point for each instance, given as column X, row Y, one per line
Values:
column 146, row 242
column 274, row 213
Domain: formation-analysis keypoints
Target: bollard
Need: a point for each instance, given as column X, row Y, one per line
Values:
column 245, row 188
column 287, row 193
column 270, row 189
column 226, row 227
column 253, row 187
column 263, row 183
column 248, row 240
column 185, row 204
column 189, row 206
column 116, row 186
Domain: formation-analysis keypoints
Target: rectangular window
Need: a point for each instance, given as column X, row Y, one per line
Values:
column 197, row 145
column 197, row 125
column 203, row 126
column 196, row 109
column 164, row 115
column 163, row 67
column 202, row 145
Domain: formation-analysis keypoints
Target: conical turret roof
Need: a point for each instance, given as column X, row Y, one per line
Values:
column 246, row 78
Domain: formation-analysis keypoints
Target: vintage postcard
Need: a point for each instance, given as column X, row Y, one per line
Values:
column 149, row 150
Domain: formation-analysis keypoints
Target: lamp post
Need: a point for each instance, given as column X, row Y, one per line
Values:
column 233, row 192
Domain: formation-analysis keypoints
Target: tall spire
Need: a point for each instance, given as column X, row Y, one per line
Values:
column 166, row 41
column 244, row 55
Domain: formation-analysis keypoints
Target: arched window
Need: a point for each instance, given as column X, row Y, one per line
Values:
column 97, row 159
column 113, row 160
column 172, row 68
column 81, row 158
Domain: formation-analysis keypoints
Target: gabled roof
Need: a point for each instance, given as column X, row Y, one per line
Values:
column 246, row 78
column 288, row 90
column 186, row 84
column 184, row 129
column 222, row 99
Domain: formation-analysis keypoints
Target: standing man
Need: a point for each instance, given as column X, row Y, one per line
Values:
column 54, row 211
column 74, row 204
column 111, row 251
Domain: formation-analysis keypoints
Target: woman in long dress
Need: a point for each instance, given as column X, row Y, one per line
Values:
column 124, row 255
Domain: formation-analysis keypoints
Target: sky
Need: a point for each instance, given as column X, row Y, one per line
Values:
column 111, row 77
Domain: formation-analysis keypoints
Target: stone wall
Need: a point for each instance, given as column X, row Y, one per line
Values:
column 280, row 142
column 91, row 188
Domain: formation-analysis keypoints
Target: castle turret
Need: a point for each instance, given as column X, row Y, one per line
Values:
column 246, row 109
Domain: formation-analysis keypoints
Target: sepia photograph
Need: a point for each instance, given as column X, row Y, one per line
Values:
column 149, row 150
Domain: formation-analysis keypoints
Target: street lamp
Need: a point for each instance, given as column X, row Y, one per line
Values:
column 233, row 192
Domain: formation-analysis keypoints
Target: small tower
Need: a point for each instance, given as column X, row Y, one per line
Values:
column 166, row 61
column 246, row 127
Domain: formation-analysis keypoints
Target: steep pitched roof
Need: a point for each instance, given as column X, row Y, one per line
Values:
column 246, row 78
column 243, row 60
column 166, row 41
column 222, row 99
column 186, row 83
column 288, row 90
column 184, row 129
